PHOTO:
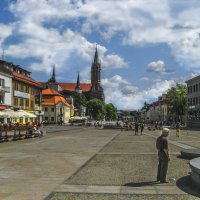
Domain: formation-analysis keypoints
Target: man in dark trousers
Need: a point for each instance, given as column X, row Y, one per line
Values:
column 163, row 155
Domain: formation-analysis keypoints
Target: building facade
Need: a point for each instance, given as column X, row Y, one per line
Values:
column 193, row 101
column 5, row 87
column 26, row 92
column 55, row 107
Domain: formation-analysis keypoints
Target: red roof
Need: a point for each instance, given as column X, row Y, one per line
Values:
column 50, row 92
column 26, row 79
column 71, row 86
column 55, row 100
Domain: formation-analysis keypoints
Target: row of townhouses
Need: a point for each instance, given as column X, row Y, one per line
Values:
column 158, row 111
column 50, row 101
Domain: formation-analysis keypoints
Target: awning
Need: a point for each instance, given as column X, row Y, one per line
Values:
column 2, row 107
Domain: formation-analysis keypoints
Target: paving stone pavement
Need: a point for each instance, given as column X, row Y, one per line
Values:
column 104, row 164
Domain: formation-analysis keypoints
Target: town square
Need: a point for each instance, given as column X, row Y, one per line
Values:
column 99, row 100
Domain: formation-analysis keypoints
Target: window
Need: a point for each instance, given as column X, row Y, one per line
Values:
column 52, row 119
column 1, row 99
column 32, row 105
column 193, row 88
column 46, row 118
column 197, row 102
column 15, row 101
column 52, row 109
column 194, row 101
column 46, row 109
column 21, row 102
column 197, row 88
column 27, row 103
column 2, row 82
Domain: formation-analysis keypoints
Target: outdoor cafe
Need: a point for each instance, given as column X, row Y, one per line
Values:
column 17, row 125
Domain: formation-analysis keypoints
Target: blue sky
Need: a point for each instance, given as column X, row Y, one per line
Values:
column 145, row 47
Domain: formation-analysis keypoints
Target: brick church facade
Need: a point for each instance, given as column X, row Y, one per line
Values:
column 90, row 90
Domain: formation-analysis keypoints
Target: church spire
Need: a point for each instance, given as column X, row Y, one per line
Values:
column 96, row 57
column 78, row 81
column 53, row 77
column 78, row 85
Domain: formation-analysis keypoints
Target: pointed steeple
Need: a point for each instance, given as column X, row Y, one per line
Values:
column 78, row 85
column 78, row 81
column 53, row 77
column 96, row 57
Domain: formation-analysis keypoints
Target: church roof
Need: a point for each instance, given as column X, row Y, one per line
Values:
column 71, row 86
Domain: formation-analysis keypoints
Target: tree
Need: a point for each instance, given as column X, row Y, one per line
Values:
column 111, row 112
column 96, row 109
column 79, row 99
column 177, row 99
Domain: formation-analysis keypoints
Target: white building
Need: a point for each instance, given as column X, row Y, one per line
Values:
column 5, row 88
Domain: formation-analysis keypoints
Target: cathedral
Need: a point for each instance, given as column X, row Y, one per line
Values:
column 90, row 90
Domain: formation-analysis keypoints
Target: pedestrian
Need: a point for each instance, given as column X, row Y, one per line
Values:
column 178, row 130
column 136, row 128
column 141, row 127
column 163, row 155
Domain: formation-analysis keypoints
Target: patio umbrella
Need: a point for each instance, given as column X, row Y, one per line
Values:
column 31, row 115
column 11, row 113
column 2, row 114
column 22, row 113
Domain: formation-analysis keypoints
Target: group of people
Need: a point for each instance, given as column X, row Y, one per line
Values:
column 135, row 126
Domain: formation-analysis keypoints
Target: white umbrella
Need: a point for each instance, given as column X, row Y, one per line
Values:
column 2, row 114
column 31, row 115
column 22, row 113
column 11, row 113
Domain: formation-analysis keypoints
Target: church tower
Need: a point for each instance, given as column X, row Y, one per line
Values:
column 53, row 77
column 96, row 88
column 78, row 85
column 52, row 83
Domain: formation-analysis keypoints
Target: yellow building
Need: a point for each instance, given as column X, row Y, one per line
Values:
column 55, row 107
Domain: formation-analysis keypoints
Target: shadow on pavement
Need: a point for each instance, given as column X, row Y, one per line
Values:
column 185, row 184
column 140, row 184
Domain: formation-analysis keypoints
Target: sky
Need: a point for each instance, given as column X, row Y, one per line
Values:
column 145, row 47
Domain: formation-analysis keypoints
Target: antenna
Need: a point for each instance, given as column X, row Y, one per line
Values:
column 3, row 54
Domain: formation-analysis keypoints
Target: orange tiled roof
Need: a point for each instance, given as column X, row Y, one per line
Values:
column 50, row 92
column 26, row 79
column 55, row 100
column 71, row 86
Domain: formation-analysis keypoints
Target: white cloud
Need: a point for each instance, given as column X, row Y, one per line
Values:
column 128, row 97
column 5, row 31
column 140, row 24
column 157, row 67
column 144, row 78
column 113, row 62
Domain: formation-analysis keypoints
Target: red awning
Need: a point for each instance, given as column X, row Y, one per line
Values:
column 3, row 107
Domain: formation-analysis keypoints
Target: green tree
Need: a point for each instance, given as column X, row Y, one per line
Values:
column 177, row 99
column 111, row 112
column 79, row 100
column 96, row 109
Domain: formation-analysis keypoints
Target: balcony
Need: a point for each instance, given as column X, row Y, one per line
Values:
column 4, row 89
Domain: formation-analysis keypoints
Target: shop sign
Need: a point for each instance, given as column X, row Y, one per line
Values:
column 21, row 94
